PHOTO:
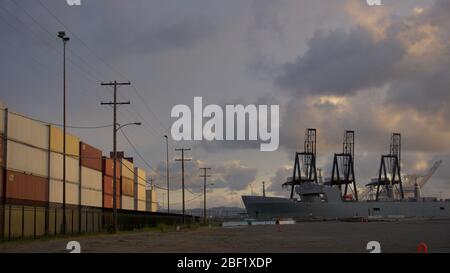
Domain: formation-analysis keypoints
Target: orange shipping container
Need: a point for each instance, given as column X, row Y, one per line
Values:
column 108, row 185
column 108, row 201
column 108, row 167
column 90, row 157
column 127, row 187
column 26, row 187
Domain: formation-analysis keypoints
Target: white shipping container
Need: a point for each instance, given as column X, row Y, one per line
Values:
column 28, row 131
column 91, row 179
column 56, row 192
column 72, row 167
column 27, row 159
column 91, row 198
column 127, row 202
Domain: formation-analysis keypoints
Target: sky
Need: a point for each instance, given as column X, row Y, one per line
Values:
column 332, row 65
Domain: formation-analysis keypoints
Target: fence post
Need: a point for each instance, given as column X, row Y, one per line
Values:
column 56, row 221
column 72, row 220
column 23, row 221
column 9, row 223
column 34, row 229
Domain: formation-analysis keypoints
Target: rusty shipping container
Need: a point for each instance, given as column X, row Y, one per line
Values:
column 90, row 157
column 108, row 192
column 108, row 201
column 108, row 185
column 108, row 167
column 24, row 187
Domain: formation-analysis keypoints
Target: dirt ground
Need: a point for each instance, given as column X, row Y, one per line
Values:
column 301, row 237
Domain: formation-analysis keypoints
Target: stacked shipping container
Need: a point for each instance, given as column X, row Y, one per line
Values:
column 108, row 173
column 26, row 161
column 31, row 179
column 72, row 167
column 140, row 181
column 91, row 175
column 127, row 184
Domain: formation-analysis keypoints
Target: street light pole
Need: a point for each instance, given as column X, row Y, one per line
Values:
column 65, row 39
column 167, row 173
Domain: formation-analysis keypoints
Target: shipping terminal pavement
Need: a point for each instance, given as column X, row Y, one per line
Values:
column 304, row 237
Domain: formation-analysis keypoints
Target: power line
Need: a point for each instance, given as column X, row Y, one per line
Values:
column 142, row 99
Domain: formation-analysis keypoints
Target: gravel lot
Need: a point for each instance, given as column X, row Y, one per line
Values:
column 301, row 237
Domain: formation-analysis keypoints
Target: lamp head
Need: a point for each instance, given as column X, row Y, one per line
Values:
column 61, row 34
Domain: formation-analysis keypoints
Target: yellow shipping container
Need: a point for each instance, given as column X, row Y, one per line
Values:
column 127, row 169
column 56, row 142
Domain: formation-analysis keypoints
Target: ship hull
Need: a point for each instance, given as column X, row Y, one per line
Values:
column 275, row 208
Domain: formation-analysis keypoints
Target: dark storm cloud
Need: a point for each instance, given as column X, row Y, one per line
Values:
column 341, row 63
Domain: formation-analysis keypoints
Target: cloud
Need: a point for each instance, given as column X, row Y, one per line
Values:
column 278, row 179
column 231, row 175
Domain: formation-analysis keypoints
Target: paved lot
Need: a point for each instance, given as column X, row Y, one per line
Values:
column 301, row 237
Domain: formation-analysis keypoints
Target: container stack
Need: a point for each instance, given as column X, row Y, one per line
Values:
column 91, row 175
column 56, row 180
column 26, row 173
column 127, row 184
column 72, row 167
column 27, row 161
column 108, row 190
column 140, row 182
column 151, row 203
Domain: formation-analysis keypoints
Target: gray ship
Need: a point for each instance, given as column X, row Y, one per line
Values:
column 337, row 198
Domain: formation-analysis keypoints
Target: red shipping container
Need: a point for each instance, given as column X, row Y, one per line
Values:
column 20, row 186
column 90, row 157
column 108, row 167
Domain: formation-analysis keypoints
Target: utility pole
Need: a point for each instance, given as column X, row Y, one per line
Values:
column 264, row 188
column 114, row 104
column 204, row 190
column 64, row 39
column 167, row 173
column 182, row 159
